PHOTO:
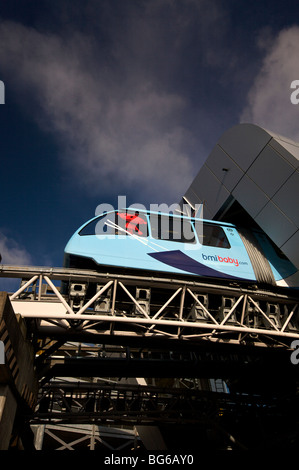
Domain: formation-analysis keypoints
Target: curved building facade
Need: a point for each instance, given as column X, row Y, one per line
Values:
column 252, row 177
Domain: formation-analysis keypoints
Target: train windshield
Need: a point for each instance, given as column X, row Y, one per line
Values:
column 164, row 227
column 213, row 235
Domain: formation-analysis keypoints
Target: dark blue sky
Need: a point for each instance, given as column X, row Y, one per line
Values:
column 120, row 97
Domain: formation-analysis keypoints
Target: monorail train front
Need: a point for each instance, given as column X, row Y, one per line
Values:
column 131, row 240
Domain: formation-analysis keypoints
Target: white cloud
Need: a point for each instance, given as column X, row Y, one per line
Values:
column 12, row 253
column 110, row 93
column 110, row 134
column 269, row 104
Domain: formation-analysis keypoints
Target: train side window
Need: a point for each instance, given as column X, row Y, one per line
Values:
column 170, row 228
column 117, row 223
column 213, row 235
column 132, row 223
column 97, row 226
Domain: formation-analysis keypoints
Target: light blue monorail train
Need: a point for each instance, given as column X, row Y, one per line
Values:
column 130, row 240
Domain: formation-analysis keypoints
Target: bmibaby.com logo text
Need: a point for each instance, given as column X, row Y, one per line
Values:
column 221, row 259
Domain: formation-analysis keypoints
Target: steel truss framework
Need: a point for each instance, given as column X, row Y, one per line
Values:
column 212, row 416
column 138, row 306
column 123, row 404
column 90, row 324
column 85, row 437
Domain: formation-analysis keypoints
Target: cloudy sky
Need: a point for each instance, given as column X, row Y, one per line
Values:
column 128, row 97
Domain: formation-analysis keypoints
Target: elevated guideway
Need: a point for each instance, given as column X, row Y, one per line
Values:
column 152, row 307
column 91, row 330
column 161, row 327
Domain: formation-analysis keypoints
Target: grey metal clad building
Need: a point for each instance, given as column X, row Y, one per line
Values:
column 252, row 176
